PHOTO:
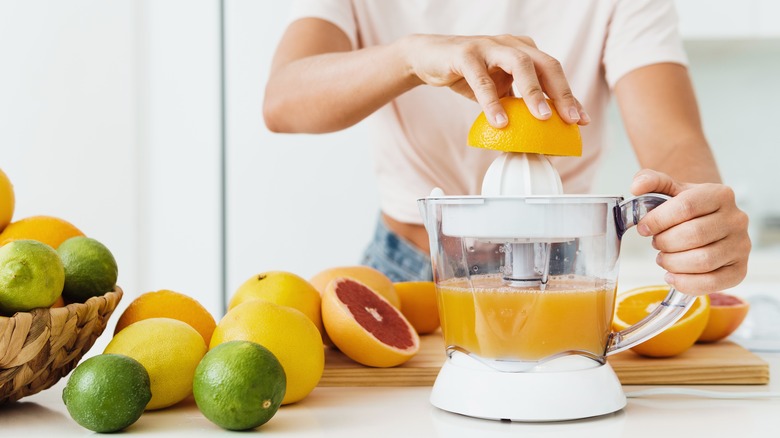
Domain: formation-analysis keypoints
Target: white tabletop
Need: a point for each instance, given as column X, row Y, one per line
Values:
column 406, row 412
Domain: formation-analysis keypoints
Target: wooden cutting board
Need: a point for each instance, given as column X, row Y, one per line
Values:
column 721, row 363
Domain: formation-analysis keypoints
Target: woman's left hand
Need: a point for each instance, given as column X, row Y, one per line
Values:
column 701, row 234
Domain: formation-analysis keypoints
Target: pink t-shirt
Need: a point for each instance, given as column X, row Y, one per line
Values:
column 420, row 137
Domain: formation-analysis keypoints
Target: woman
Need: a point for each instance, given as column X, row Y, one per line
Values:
column 396, row 59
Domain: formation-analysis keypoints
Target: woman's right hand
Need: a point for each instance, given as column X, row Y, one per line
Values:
column 483, row 68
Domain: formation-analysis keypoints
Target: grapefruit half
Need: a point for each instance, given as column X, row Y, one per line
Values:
column 726, row 314
column 366, row 326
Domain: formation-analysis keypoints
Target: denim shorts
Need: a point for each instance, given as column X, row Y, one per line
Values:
column 396, row 257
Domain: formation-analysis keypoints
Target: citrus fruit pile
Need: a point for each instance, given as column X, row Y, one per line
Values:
column 46, row 261
column 709, row 319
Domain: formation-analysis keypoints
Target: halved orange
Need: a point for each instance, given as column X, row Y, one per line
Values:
column 726, row 314
column 633, row 305
column 526, row 133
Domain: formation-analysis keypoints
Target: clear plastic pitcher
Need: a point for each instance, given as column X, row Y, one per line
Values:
column 525, row 280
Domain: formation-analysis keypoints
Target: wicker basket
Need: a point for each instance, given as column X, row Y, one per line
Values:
column 39, row 347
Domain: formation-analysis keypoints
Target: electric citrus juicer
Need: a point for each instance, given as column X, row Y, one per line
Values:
column 526, row 279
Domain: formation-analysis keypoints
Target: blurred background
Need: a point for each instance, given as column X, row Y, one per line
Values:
column 141, row 123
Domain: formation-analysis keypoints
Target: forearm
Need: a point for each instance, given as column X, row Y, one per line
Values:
column 661, row 116
column 332, row 91
column 684, row 159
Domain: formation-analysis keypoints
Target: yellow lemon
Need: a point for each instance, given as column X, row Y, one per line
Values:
column 287, row 333
column 6, row 200
column 633, row 305
column 284, row 289
column 526, row 133
column 169, row 349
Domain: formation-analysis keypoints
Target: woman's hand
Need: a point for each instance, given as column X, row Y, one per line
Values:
column 483, row 68
column 700, row 233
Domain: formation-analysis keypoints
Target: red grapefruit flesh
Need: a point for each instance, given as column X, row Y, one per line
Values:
column 365, row 326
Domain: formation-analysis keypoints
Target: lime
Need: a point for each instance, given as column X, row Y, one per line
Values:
column 31, row 275
column 239, row 385
column 90, row 268
column 287, row 333
column 107, row 393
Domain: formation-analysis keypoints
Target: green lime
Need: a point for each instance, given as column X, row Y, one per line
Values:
column 31, row 275
column 107, row 393
column 239, row 385
column 90, row 268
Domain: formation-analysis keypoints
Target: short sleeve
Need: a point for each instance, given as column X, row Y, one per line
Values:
column 641, row 33
column 338, row 12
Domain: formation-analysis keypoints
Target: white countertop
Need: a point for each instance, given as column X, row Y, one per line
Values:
column 406, row 412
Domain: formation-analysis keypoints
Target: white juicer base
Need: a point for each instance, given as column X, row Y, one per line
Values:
column 528, row 396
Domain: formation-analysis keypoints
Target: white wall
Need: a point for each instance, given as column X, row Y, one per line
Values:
column 736, row 86
column 68, row 118
column 109, row 118
column 299, row 203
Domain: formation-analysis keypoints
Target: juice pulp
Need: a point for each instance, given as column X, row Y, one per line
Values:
column 495, row 321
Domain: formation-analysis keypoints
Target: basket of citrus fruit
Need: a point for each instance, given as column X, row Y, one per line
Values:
column 57, row 292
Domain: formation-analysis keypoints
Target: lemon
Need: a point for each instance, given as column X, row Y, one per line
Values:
column 239, row 385
column 90, row 268
column 31, row 275
column 283, row 288
column 526, row 133
column 287, row 333
column 6, row 200
column 169, row 350
column 107, row 393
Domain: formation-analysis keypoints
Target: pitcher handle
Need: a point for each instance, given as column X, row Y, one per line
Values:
column 672, row 308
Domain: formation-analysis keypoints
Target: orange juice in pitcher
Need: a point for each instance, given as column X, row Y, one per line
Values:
column 491, row 320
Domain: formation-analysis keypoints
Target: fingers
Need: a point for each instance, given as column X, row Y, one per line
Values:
column 534, row 72
column 710, row 268
column 651, row 181
column 476, row 75
column 700, row 233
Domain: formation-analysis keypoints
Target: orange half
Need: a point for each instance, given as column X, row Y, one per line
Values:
column 635, row 304
column 526, row 133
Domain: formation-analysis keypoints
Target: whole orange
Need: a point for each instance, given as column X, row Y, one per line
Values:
column 46, row 229
column 169, row 304
column 419, row 304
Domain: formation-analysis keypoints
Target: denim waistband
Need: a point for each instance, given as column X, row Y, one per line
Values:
column 396, row 257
